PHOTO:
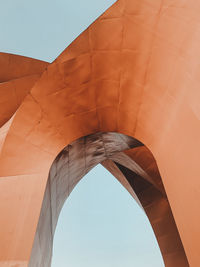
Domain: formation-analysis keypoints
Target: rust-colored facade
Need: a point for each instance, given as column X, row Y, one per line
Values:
column 125, row 94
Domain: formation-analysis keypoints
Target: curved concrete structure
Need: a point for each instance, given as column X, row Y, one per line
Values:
column 135, row 72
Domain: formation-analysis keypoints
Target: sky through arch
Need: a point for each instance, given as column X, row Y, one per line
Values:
column 101, row 225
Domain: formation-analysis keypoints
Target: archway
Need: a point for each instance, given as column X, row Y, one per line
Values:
column 133, row 165
column 129, row 78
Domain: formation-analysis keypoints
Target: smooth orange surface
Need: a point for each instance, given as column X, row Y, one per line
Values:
column 17, row 76
column 134, row 71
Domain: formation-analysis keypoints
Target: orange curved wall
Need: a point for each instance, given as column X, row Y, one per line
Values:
column 134, row 71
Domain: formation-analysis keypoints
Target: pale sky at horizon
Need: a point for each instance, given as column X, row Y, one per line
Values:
column 100, row 224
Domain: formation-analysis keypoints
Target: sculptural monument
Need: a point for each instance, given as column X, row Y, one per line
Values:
column 124, row 94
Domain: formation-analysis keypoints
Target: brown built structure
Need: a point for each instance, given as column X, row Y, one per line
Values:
column 126, row 94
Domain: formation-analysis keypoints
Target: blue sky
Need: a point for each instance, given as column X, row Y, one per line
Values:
column 43, row 28
column 100, row 224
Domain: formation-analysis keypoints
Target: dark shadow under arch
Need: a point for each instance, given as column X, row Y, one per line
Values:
column 133, row 165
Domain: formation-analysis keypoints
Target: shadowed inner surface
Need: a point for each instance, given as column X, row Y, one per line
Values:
column 141, row 179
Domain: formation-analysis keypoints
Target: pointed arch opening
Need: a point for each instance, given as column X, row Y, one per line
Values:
column 135, row 168
column 101, row 224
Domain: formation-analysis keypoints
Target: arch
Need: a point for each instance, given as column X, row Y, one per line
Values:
column 129, row 72
column 78, row 158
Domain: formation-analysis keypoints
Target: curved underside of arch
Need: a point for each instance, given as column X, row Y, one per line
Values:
column 78, row 158
column 134, row 71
